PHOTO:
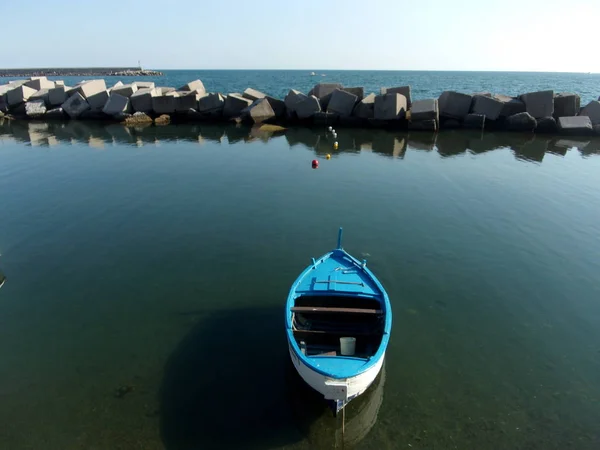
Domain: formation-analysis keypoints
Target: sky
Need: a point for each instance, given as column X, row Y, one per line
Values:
column 507, row 35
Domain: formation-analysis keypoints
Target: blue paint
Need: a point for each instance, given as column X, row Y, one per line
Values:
column 338, row 273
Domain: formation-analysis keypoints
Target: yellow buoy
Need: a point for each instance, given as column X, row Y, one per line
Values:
column 328, row 156
column 335, row 145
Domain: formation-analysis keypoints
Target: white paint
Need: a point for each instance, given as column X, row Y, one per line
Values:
column 344, row 389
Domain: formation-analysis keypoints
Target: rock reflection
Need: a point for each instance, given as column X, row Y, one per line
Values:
column 392, row 144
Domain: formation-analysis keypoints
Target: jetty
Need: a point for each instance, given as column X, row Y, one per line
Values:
column 80, row 71
column 326, row 104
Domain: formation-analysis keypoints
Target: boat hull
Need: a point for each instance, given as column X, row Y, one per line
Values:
column 340, row 391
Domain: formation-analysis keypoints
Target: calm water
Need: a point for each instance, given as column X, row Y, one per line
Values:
column 147, row 271
column 424, row 84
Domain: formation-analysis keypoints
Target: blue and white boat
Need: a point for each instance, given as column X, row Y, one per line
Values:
column 338, row 321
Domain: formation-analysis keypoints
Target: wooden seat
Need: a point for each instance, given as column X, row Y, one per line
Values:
column 327, row 310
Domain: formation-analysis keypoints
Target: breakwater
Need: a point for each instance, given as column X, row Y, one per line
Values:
column 325, row 104
column 79, row 71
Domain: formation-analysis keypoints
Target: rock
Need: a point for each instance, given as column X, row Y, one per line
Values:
column 521, row 122
column 75, row 105
column 127, row 90
column 19, row 94
column 195, row 85
column 292, row 99
column 539, row 104
column 580, row 125
column 307, row 107
column 322, row 92
column 474, row 121
column 425, row 110
column 56, row 113
column 164, row 104
column 490, row 107
column 145, row 85
column 546, row 125
column 402, row 90
column 98, row 100
column 138, row 118
column 389, row 107
column 566, row 105
column 341, row 103
column 259, row 111
column 42, row 94
column 365, row 109
column 277, row 105
column 325, row 118
column 116, row 104
column 35, row 109
column 57, row 95
column 186, row 101
column 91, row 87
column 141, row 100
column 253, row 94
column 39, row 83
column 234, row 104
column 358, row 91
column 211, row 104
column 424, row 125
column 592, row 110
column 454, row 105
column 163, row 119
column 511, row 105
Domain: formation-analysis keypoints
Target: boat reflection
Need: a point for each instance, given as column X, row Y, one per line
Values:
column 316, row 421
column 392, row 144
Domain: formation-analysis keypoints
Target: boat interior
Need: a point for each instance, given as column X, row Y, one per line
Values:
column 319, row 322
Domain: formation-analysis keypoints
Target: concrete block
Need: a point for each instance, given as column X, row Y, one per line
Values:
column 596, row 129
column 358, row 91
column 164, row 90
column 98, row 100
column 164, row 104
column 307, row 107
column 141, row 100
column 91, row 87
column 390, row 107
column 211, row 104
column 57, row 95
column 490, row 107
column 566, row 105
column 322, row 92
column 580, row 125
column 75, row 105
column 186, row 101
column 474, row 121
column 424, row 125
column 592, row 110
column 342, row 103
column 42, row 94
column 56, row 113
column 402, row 90
column 116, row 85
column 145, row 85
column 253, row 94
column 539, row 104
column 521, row 122
column 325, row 118
column 546, row 125
column 127, row 90
column 35, row 109
column 259, row 111
column 292, row 99
column 39, row 83
column 195, row 85
column 116, row 104
column 18, row 95
column 425, row 110
column 277, row 105
column 449, row 124
column 234, row 104
column 58, row 83
column 511, row 105
column 365, row 109
column 454, row 105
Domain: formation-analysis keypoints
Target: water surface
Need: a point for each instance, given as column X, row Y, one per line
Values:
column 147, row 271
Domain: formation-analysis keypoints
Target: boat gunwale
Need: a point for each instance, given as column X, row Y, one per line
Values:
column 386, row 307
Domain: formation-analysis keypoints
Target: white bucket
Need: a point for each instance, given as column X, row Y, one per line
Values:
column 347, row 346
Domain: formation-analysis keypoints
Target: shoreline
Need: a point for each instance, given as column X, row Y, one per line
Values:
column 326, row 104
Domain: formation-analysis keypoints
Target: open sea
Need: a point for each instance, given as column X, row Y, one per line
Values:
column 147, row 270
